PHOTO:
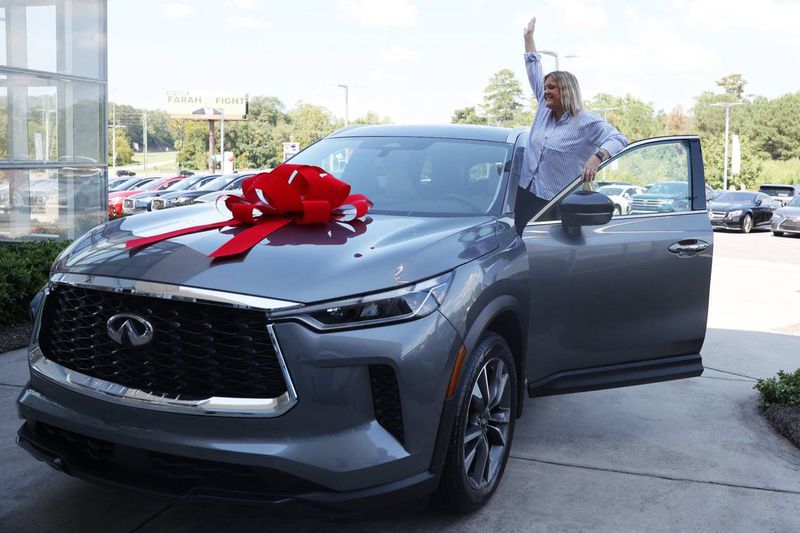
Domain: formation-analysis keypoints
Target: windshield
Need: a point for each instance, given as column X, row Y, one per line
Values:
column 737, row 197
column 414, row 175
column 777, row 191
column 187, row 183
column 610, row 191
column 125, row 184
column 795, row 202
column 216, row 183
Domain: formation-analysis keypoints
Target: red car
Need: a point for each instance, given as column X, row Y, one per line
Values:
column 115, row 198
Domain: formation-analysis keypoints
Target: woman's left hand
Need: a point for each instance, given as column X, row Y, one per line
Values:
column 590, row 169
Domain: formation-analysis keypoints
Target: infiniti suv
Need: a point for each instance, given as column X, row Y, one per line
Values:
column 342, row 364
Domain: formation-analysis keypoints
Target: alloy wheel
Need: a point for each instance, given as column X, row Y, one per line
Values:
column 747, row 224
column 487, row 427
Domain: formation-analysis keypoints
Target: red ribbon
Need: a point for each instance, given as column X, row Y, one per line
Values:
column 300, row 194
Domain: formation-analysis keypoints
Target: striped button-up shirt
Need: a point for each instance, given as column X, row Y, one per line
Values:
column 557, row 151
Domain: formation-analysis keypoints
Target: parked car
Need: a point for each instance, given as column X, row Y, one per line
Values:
column 351, row 363
column 130, row 183
column 113, row 182
column 141, row 202
column 741, row 210
column 787, row 219
column 179, row 198
column 115, row 198
column 782, row 193
column 661, row 197
column 621, row 195
column 123, row 172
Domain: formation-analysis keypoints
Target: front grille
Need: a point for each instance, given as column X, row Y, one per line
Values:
column 386, row 400
column 648, row 202
column 716, row 215
column 158, row 204
column 198, row 350
column 790, row 224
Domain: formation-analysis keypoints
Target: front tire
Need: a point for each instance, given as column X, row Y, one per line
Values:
column 483, row 429
column 747, row 224
column 778, row 233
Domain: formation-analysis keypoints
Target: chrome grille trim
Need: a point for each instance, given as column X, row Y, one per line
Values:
column 172, row 292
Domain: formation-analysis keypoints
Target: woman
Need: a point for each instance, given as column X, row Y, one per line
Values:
column 565, row 141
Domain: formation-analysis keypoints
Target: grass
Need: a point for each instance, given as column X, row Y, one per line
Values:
column 781, row 171
column 157, row 163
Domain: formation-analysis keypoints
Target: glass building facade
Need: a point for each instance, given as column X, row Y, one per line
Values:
column 53, row 135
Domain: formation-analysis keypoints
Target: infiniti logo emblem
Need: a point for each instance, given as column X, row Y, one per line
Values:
column 129, row 329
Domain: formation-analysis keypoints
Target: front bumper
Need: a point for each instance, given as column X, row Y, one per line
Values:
column 786, row 225
column 329, row 448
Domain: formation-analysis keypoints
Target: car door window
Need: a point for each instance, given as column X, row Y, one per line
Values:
column 661, row 171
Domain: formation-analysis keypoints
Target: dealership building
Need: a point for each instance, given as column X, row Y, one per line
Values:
column 53, row 133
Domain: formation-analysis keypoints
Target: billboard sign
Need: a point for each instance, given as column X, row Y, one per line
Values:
column 290, row 149
column 206, row 106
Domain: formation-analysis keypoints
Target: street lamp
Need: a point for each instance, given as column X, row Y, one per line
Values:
column 605, row 111
column 555, row 55
column 346, row 103
column 727, row 106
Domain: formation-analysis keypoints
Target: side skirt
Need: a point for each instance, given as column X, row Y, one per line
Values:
column 622, row 375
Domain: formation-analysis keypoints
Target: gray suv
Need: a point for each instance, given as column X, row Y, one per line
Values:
column 348, row 364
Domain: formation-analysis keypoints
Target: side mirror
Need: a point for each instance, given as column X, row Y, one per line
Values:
column 759, row 202
column 585, row 208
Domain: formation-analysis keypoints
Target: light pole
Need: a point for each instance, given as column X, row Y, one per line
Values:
column 346, row 103
column 727, row 106
column 555, row 55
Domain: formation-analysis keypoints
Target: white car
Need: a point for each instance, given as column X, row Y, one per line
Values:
column 621, row 196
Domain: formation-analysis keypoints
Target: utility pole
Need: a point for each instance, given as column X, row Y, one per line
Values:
column 346, row 103
column 727, row 106
column 222, row 141
column 145, row 144
column 211, row 142
column 114, row 138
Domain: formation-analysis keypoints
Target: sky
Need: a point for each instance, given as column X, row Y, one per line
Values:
column 417, row 61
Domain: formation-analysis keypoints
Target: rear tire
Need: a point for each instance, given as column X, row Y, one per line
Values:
column 747, row 224
column 778, row 233
column 617, row 210
column 482, row 433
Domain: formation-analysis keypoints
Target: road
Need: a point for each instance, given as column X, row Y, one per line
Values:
column 690, row 455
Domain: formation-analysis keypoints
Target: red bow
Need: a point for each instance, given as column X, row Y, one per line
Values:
column 302, row 194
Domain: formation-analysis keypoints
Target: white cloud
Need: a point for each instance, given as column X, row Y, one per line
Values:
column 397, row 55
column 381, row 13
column 175, row 10
column 243, row 4
column 244, row 22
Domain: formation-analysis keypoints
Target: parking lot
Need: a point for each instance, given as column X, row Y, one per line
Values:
column 680, row 456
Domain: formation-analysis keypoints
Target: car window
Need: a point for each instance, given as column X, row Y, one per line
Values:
column 661, row 170
column 417, row 175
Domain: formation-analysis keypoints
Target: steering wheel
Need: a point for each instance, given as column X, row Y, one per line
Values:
column 461, row 198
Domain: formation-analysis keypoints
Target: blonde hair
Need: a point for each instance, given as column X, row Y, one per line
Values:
column 567, row 84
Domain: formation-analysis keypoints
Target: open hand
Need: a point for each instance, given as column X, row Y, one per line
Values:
column 530, row 27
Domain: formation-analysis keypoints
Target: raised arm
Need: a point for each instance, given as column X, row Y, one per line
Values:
column 533, row 65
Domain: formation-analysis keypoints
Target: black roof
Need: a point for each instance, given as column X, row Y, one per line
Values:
column 445, row 131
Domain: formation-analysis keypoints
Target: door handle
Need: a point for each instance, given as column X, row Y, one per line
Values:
column 689, row 247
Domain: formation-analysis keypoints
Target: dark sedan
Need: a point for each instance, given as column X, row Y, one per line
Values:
column 787, row 218
column 139, row 203
column 222, row 183
column 741, row 210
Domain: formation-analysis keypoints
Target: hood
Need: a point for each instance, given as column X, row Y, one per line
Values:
column 296, row 263
column 788, row 211
column 182, row 194
column 728, row 206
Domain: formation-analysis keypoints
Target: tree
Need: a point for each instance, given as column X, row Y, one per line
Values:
column 193, row 144
column 676, row 122
column 773, row 125
column 124, row 151
column 631, row 116
column 501, row 98
column 733, row 85
column 713, row 154
column 372, row 118
column 467, row 115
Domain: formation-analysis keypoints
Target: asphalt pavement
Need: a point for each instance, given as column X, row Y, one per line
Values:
column 690, row 455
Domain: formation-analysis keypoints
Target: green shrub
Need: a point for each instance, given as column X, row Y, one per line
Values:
column 24, row 269
column 783, row 389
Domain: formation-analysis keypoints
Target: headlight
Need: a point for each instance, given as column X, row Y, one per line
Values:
column 183, row 200
column 397, row 305
column 777, row 216
column 735, row 213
